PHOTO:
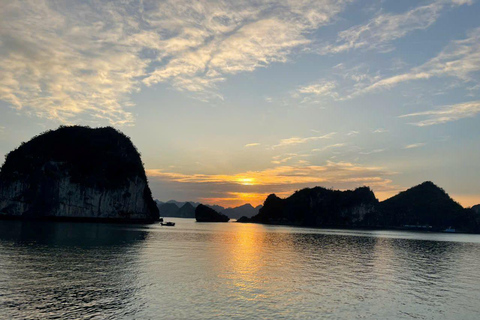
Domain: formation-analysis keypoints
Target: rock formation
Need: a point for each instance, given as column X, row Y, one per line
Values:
column 425, row 205
column 186, row 211
column 76, row 173
column 320, row 207
column 244, row 219
column 168, row 210
column 207, row 214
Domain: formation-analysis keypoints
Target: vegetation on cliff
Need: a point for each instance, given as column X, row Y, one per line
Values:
column 101, row 157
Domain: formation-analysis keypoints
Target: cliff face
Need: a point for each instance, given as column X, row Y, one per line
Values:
column 320, row 207
column 76, row 172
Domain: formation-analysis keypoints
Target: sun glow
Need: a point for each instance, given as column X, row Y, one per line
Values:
column 246, row 181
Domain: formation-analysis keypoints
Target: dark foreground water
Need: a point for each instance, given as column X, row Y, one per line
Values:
column 234, row 271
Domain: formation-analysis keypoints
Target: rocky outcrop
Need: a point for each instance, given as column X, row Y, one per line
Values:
column 319, row 207
column 76, row 173
column 206, row 214
column 426, row 205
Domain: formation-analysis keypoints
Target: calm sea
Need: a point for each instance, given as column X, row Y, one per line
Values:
column 234, row 271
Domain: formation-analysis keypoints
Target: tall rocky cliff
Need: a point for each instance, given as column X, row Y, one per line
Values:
column 76, row 173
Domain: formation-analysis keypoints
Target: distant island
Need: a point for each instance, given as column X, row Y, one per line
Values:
column 207, row 214
column 179, row 209
column 76, row 173
column 423, row 207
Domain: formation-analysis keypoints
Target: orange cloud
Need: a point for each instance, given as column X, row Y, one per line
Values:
column 233, row 199
column 254, row 186
column 281, row 175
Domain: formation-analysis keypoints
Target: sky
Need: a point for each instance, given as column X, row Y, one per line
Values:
column 229, row 101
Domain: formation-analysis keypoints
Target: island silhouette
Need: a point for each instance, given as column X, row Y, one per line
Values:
column 76, row 173
column 80, row 173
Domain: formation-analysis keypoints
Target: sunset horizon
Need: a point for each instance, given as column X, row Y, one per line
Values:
column 229, row 102
column 239, row 159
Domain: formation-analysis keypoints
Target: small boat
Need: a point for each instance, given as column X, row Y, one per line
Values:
column 449, row 229
column 168, row 224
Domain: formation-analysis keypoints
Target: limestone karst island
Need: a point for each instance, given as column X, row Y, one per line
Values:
column 76, row 173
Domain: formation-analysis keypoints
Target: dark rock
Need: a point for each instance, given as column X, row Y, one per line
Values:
column 76, row 173
column 207, row 214
column 168, row 210
column 320, row 207
column 186, row 211
column 476, row 208
column 425, row 205
column 244, row 219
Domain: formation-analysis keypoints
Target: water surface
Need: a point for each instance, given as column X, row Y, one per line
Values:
column 230, row 270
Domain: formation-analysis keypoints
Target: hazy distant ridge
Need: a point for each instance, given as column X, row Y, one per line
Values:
column 173, row 208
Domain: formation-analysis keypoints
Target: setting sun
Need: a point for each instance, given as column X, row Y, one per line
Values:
column 247, row 181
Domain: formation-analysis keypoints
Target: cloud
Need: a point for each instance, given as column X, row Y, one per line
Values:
column 297, row 140
column 332, row 146
column 282, row 158
column 380, row 130
column 353, row 133
column 236, row 37
column 321, row 89
column 248, row 145
column 372, row 152
column 84, row 59
column 446, row 113
column 57, row 66
column 283, row 180
column 283, row 175
column 414, row 145
column 384, row 28
column 460, row 59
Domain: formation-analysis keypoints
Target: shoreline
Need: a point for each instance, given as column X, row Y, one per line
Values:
column 78, row 219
